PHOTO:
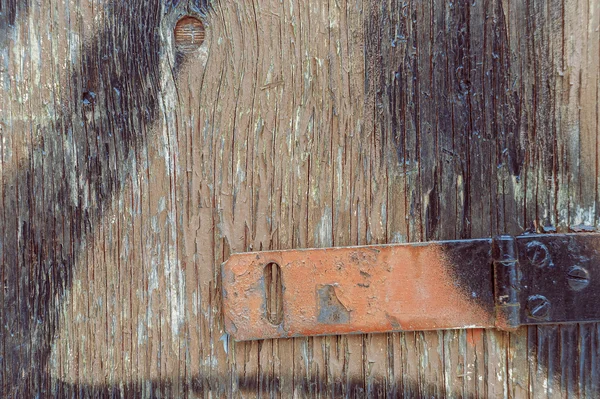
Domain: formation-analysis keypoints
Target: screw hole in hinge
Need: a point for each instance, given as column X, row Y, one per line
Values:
column 273, row 293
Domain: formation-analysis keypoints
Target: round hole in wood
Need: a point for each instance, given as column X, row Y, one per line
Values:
column 189, row 34
column 273, row 293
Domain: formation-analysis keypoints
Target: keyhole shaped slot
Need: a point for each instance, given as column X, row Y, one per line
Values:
column 273, row 293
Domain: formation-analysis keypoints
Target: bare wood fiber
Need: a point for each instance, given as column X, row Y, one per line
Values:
column 130, row 170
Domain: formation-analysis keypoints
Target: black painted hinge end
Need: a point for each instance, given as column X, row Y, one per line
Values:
column 506, row 283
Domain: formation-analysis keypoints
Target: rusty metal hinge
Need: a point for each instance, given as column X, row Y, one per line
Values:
column 505, row 282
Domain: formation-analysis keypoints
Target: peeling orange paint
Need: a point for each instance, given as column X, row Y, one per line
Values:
column 382, row 288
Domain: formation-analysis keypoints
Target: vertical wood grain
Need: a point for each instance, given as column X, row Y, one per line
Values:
column 130, row 170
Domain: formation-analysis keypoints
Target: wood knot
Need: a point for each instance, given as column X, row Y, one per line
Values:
column 189, row 34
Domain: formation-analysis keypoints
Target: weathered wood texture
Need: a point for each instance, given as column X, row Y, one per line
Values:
column 130, row 170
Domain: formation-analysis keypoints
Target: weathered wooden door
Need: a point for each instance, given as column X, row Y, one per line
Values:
column 133, row 164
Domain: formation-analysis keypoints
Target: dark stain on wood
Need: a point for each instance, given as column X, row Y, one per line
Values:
column 446, row 82
column 44, row 231
column 249, row 385
column 10, row 10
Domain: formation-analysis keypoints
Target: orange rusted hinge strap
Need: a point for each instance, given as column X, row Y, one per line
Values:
column 503, row 282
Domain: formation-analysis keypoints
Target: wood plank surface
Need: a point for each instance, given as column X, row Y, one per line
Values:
column 131, row 167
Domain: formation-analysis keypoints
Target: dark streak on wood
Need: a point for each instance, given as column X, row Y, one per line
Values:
column 53, row 203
